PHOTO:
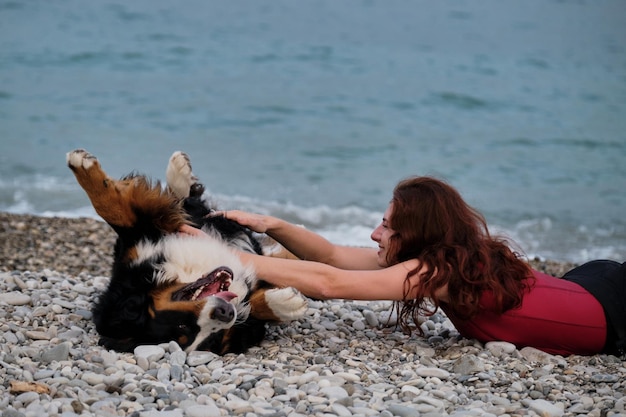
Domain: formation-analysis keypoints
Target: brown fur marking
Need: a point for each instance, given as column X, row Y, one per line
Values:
column 119, row 201
column 226, row 341
column 109, row 200
column 259, row 307
column 162, row 299
column 131, row 254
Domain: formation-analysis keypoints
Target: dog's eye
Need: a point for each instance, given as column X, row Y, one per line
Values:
column 182, row 327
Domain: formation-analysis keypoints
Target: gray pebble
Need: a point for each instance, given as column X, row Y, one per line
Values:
column 371, row 318
column 56, row 353
column 403, row 411
column 605, row 378
column 468, row 364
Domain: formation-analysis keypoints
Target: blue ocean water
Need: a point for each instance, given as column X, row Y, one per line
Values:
column 313, row 111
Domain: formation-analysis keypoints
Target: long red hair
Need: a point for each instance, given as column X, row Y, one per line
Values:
column 436, row 226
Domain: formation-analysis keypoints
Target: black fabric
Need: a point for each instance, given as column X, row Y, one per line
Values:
column 606, row 281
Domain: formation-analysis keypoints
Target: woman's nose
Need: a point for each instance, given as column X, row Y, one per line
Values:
column 375, row 236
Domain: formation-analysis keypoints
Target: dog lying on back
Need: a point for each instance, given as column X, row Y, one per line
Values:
column 168, row 286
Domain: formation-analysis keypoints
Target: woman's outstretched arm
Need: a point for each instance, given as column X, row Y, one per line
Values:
column 306, row 244
column 319, row 280
column 323, row 281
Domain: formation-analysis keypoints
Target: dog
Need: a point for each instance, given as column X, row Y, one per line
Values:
column 170, row 286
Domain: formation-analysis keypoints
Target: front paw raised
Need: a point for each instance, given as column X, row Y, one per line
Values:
column 180, row 178
column 80, row 158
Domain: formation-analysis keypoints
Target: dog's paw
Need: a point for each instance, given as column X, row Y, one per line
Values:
column 286, row 303
column 80, row 158
column 179, row 176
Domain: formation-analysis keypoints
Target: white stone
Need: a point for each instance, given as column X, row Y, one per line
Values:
column 535, row 355
column 334, row 393
column 434, row 372
column 202, row 411
column 264, row 390
column 499, row 348
column 151, row 353
column 307, row 377
column 546, row 409
column 348, row 376
column 178, row 358
column 414, row 391
column 15, row 298
column 200, row 358
column 92, row 378
column 340, row 410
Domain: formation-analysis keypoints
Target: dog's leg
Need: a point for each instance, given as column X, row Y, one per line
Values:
column 278, row 304
column 180, row 178
column 121, row 202
column 106, row 194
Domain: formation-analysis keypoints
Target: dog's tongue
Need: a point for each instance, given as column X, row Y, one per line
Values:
column 225, row 295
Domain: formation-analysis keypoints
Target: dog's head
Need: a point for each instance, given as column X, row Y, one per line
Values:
column 192, row 290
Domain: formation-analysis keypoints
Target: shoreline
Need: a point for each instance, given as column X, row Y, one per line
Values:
column 31, row 242
column 340, row 359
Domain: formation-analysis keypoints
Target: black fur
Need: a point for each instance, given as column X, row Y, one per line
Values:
column 122, row 313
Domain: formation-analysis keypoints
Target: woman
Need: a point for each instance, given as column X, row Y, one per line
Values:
column 435, row 251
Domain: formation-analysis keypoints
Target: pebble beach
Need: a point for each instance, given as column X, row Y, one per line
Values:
column 344, row 358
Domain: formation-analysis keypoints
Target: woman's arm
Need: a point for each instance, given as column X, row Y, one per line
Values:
column 319, row 280
column 306, row 244
column 322, row 281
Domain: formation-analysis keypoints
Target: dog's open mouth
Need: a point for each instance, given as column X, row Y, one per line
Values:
column 215, row 283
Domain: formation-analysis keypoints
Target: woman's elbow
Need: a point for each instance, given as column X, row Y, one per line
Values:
column 326, row 288
column 323, row 293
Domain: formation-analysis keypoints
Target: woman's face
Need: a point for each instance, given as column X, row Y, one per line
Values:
column 382, row 235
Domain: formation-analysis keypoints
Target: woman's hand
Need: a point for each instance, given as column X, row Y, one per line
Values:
column 190, row 230
column 255, row 222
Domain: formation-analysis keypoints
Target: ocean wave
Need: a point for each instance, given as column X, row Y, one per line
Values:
column 540, row 237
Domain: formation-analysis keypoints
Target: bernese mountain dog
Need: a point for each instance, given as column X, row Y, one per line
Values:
column 170, row 286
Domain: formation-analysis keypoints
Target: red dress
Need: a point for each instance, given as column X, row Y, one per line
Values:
column 556, row 316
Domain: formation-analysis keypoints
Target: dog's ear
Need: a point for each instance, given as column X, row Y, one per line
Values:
column 118, row 345
column 121, row 316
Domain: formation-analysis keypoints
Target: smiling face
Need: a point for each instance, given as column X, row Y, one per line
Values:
column 209, row 296
column 215, row 283
column 198, row 315
column 382, row 235
column 206, row 302
column 194, row 277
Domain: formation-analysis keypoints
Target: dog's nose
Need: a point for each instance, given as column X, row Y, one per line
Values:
column 223, row 311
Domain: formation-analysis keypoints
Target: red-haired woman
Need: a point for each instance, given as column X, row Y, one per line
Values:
column 434, row 251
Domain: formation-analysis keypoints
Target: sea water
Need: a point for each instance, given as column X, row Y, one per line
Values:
column 313, row 111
